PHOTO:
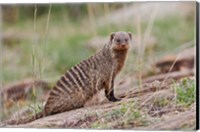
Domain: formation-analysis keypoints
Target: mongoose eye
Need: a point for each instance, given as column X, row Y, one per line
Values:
column 126, row 40
column 118, row 40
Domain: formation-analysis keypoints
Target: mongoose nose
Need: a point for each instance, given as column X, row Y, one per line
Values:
column 123, row 45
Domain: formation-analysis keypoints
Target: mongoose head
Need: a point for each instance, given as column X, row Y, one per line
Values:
column 120, row 40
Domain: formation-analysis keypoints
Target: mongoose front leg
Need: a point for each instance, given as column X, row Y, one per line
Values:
column 110, row 96
column 109, row 91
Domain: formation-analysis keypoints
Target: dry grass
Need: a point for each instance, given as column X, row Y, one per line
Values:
column 142, row 105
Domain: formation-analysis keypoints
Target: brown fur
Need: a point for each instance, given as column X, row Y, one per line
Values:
column 85, row 79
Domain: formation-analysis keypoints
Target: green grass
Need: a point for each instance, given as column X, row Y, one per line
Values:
column 186, row 92
column 68, row 53
column 160, row 103
column 172, row 32
column 125, row 116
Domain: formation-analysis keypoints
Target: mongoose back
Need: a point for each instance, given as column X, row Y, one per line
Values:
column 83, row 80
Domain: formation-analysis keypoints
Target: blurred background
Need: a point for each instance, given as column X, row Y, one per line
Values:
column 42, row 41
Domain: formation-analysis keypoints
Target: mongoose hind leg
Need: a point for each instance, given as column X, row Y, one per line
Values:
column 58, row 104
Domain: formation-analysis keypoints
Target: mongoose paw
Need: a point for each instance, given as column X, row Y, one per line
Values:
column 114, row 99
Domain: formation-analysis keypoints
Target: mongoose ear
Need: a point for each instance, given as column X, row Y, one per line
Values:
column 112, row 36
column 130, row 35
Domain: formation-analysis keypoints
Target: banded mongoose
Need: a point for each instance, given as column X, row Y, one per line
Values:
column 83, row 80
